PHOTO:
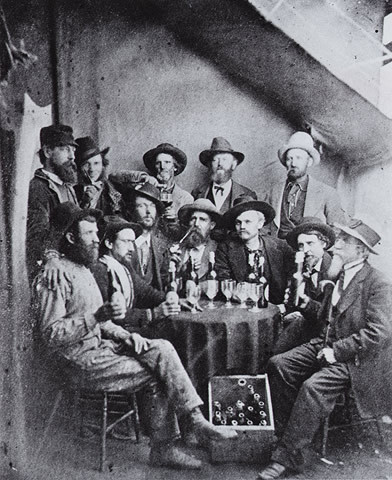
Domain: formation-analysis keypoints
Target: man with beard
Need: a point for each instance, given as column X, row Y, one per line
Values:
column 354, row 351
column 165, row 162
column 200, row 217
column 313, row 238
column 145, row 209
column 236, row 255
column 221, row 161
column 52, row 184
column 301, row 195
column 76, row 326
column 113, row 273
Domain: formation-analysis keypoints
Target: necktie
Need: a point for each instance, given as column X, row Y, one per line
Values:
column 341, row 283
column 144, row 255
column 218, row 190
column 292, row 197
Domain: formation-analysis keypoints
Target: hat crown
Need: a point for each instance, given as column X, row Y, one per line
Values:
column 243, row 199
column 300, row 138
column 370, row 235
column 149, row 190
column 56, row 135
column 221, row 144
column 85, row 143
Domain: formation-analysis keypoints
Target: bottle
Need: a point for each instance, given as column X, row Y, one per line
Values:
column 212, row 283
column 298, row 279
column 264, row 297
column 172, row 286
column 252, row 270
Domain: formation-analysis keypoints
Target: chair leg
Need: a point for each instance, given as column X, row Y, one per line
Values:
column 135, row 417
column 325, row 426
column 102, row 464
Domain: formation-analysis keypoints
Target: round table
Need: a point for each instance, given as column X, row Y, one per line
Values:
column 223, row 341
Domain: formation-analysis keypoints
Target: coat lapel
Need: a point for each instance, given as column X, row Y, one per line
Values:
column 353, row 290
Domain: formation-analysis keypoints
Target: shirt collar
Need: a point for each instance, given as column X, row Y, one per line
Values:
column 52, row 176
column 355, row 263
column 142, row 239
column 226, row 186
column 303, row 184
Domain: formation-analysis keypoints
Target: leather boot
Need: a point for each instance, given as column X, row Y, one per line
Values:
column 167, row 455
column 204, row 430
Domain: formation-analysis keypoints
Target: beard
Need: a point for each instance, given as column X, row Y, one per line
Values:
column 310, row 261
column 165, row 176
column 66, row 171
column 295, row 174
column 82, row 254
column 221, row 176
column 335, row 268
column 195, row 239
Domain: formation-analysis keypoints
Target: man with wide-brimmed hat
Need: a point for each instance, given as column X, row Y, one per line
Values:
column 200, row 218
column 51, row 185
column 248, row 246
column 353, row 352
column 221, row 161
column 146, row 209
column 165, row 162
column 313, row 238
column 77, row 327
column 94, row 189
column 301, row 195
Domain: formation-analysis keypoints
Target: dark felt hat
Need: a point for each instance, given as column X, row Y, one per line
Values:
column 86, row 149
column 150, row 157
column 111, row 224
column 361, row 231
column 199, row 205
column 307, row 225
column 67, row 213
column 243, row 204
column 219, row 145
column 148, row 191
column 57, row 136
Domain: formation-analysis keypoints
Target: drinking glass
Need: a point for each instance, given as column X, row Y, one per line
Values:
column 211, row 291
column 192, row 294
column 227, row 288
column 255, row 292
column 242, row 292
column 166, row 198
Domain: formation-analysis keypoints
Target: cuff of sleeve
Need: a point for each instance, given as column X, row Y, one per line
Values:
column 90, row 321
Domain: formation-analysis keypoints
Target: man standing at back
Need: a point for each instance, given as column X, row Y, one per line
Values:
column 221, row 161
column 301, row 195
column 52, row 184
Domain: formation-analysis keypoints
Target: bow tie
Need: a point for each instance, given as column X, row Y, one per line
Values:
column 309, row 273
column 218, row 189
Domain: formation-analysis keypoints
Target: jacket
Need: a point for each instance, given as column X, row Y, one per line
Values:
column 231, row 262
column 322, row 201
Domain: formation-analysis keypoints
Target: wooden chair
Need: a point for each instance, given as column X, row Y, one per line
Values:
column 347, row 405
column 113, row 408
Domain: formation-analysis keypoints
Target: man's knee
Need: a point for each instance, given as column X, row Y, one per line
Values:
column 275, row 364
column 164, row 347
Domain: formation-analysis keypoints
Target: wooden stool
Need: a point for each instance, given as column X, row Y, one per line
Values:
column 346, row 402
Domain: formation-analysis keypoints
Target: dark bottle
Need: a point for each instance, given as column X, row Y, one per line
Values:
column 264, row 297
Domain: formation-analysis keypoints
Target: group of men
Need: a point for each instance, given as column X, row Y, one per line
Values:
column 89, row 310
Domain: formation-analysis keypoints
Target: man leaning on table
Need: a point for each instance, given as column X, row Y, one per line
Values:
column 246, row 242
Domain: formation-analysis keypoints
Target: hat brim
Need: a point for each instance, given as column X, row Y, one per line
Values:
column 150, row 157
column 118, row 225
column 311, row 151
column 81, row 161
column 206, row 155
column 355, row 234
column 185, row 212
column 263, row 207
column 323, row 228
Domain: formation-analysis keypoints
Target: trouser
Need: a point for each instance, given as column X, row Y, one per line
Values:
column 158, row 371
column 173, row 394
column 302, row 395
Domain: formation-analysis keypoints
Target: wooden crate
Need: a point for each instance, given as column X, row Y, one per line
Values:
column 254, row 442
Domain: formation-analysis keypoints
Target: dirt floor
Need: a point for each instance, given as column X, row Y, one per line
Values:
column 353, row 453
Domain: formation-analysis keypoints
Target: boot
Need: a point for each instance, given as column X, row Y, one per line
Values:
column 204, row 430
column 167, row 455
